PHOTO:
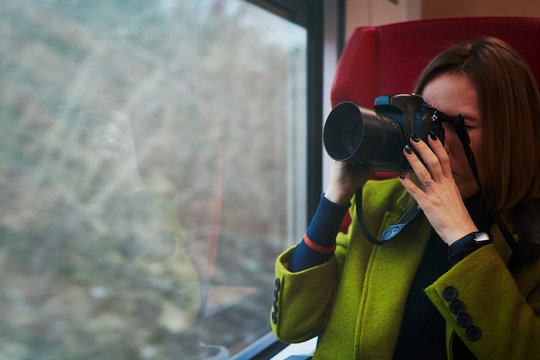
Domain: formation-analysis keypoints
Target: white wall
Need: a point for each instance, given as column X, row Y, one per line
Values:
column 379, row 12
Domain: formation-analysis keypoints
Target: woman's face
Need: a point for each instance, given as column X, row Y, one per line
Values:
column 454, row 94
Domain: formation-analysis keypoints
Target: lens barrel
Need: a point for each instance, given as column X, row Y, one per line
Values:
column 359, row 135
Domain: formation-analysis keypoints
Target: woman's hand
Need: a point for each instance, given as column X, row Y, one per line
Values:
column 437, row 194
column 344, row 181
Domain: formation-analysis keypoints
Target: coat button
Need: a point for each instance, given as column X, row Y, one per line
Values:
column 278, row 284
column 274, row 317
column 464, row 320
column 473, row 333
column 456, row 307
column 449, row 293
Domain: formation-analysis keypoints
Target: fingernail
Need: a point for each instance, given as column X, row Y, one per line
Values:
column 408, row 149
column 432, row 136
column 401, row 176
column 415, row 138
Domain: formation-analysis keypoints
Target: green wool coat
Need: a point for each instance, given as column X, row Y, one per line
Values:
column 357, row 298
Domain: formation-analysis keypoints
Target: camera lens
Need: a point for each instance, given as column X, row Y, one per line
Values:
column 357, row 134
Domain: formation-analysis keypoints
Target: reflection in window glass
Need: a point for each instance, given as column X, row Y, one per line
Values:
column 148, row 173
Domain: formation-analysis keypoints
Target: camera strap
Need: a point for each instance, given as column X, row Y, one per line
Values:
column 463, row 136
column 393, row 230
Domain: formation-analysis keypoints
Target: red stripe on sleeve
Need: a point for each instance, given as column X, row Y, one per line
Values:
column 318, row 248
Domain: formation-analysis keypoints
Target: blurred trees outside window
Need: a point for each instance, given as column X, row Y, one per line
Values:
column 151, row 161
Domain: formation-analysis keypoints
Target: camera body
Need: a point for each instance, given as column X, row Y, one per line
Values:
column 374, row 139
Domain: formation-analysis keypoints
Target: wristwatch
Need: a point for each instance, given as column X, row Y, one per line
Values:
column 467, row 245
column 480, row 238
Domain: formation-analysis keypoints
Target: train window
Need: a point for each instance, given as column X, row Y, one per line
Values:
column 151, row 171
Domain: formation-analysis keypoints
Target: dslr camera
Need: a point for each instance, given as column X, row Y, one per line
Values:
column 374, row 139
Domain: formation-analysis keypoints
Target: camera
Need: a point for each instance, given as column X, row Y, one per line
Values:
column 374, row 139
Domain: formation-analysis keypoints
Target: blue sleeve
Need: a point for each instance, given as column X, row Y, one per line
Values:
column 321, row 234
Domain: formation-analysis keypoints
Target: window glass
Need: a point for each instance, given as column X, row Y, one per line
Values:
column 151, row 170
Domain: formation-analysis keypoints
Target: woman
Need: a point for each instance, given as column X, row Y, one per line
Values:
column 442, row 288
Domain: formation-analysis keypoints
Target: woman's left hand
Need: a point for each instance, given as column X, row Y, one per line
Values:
column 437, row 195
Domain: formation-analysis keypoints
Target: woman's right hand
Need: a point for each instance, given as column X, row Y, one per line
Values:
column 344, row 181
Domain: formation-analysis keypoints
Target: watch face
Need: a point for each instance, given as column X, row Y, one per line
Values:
column 482, row 237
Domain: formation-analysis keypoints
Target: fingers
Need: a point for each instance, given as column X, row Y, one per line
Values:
column 436, row 163
column 439, row 151
column 416, row 192
column 430, row 168
column 431, row 165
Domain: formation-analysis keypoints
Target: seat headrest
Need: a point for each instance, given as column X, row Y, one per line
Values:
column 387, row 59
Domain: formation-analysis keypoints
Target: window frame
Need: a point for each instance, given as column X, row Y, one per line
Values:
column 309, row 14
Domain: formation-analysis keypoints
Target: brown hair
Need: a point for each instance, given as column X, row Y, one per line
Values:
column 509, row 105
